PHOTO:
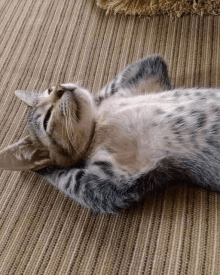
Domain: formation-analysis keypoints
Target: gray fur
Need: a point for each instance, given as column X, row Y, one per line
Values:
column 177, row 131
column 135, row 74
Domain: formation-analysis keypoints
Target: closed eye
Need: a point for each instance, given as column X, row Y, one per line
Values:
column 46, row 118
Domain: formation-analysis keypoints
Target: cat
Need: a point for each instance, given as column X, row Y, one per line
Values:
column 109, row 151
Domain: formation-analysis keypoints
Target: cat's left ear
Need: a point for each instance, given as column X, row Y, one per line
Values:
column 30, row 97
column 24, row 155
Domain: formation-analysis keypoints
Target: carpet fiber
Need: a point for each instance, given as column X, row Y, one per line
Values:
column 154, row 7
column 43, row 42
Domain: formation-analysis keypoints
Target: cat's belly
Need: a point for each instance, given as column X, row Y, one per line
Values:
column 139, row 136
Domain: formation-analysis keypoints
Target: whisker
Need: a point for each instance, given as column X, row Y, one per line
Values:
column 70, row 135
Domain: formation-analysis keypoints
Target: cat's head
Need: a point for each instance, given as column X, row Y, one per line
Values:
column 60, row 125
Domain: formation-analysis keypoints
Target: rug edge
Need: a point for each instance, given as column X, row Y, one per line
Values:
column 171, row 7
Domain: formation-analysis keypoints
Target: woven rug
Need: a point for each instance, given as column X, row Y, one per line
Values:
column 43, row 42
column 155, row 7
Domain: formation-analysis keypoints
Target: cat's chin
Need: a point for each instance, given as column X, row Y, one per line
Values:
column 83, row 95
column 85, row 107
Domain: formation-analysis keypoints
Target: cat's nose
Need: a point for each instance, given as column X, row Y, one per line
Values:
column 58, row 92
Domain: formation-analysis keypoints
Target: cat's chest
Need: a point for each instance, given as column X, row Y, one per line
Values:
column 128, row 134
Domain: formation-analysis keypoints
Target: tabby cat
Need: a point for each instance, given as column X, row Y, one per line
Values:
column 110, row 150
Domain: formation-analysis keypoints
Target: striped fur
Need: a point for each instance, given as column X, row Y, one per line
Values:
column 145, row 76
column 103, row 184
column 119, row 147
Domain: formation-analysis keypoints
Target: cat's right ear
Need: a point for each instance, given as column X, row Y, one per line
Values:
column 30, row 97
column 24, row 155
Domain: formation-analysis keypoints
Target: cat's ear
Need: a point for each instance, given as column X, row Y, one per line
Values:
column 24, row 155
column 30, row 97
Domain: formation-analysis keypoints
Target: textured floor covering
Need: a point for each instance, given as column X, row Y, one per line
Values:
column 155, row 7
column 43, row 42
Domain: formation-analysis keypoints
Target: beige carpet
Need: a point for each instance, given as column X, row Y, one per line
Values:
column 43, row 42
column 154, row 7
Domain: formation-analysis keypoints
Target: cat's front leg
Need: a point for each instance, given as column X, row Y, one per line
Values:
column 97, row 186
column 147, row 75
